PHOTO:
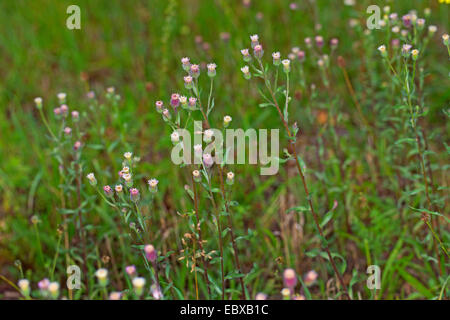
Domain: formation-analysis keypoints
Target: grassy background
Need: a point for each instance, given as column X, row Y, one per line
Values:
column 136, row 47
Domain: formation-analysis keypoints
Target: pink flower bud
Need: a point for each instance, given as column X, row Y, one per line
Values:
column 57, row 112
column 150, row 253
column 108, row 191
column 77, row 145
column 75, row 116
column 319, row 41
column 255, row 40
column 188, row 82
column 130, row 270
column 258, row 51
column 195, row 70
column 208, row 160
column 310, row 277
column 64, row 110
column 308, row 42
column 290, row 278
column 186, row 63
column 175, row 100
column 159, row 106
column 334, row 43
column 134, row 195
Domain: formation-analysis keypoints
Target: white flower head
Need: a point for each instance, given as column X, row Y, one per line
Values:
column 101, row 273
column 128, row 155
column 138, row 282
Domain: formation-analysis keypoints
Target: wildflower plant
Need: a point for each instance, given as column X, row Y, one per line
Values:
column 204, row 171
column 273, row 88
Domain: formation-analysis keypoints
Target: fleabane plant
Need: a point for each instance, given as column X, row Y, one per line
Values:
column 208, row 172
column 129, row 198
column 256, row 67
column 405, row 64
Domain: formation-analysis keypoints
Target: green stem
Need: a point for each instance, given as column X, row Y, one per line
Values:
column 56, row 257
